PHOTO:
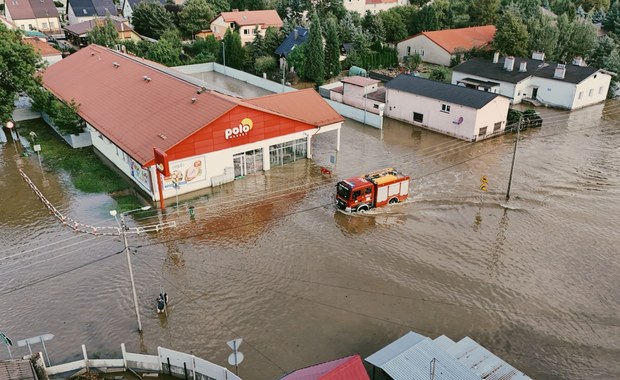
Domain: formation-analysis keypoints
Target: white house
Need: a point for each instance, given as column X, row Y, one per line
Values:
column 457, row 111
column 31, row 15
column 249, row 23
column 567, row 86
column 360, row 92
column 440, row 46
column 373, row 6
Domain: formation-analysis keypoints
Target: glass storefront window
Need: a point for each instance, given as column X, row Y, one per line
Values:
column 281, row 154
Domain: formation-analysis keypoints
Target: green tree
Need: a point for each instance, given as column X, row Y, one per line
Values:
column 543, row 35
column 483, row 12
column 264, row 64
column 511, row 37
column 105, row 34
column 583, row 39
column 273, row 39
column 394, row 25
column 296, row 58
column 167, row 50
column 151, row 19
column 440, row 74
column 612, row 19
column 195, row 16
column 412, row 61
column 235, row 54
column 373, row 27
column 66, row 117
column 314, row 65
column 589, row 5
column 332, row 49
column 18, row 63
column 219, row 6
column 251, row 5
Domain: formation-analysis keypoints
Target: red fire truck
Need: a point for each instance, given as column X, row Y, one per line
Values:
column 376, row 189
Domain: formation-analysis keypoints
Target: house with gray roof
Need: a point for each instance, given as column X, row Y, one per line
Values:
column 566, row 86
column 298, row 36
column 415, row 356
column 128, row 6
column 85, row 10
column 458, row 111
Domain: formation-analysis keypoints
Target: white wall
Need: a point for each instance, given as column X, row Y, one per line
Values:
column 426, row 48
column 361, row 7
column 567, row 95
column 402, row 105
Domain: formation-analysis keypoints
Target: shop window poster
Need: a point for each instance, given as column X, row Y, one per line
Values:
column 184, row 172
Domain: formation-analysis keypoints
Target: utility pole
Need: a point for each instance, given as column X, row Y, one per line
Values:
column 123, row 230
column 224, row 56
column 514, row 154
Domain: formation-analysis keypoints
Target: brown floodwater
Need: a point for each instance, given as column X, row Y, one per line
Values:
column 268, row 258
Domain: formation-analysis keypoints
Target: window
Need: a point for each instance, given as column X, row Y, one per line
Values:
column 408, row 50
column 590, row 92
column 232, row 25
column 445, row 108
column 246, row 31
column 287, row 152
column 52, row 25
column 497, row 126
column 600, row 90
column 44, row 26
column 375, row 106
column 580, row 94
column 482, row 132
column 356, row 194
column 418, row 117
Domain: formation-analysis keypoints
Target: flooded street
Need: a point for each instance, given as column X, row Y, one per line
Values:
column 268, row 258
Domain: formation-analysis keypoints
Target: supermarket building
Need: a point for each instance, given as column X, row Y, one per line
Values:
column 170, row 136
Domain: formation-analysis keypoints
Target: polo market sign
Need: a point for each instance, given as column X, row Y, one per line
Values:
column 242, row 130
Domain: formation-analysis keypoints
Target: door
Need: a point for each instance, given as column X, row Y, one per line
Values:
column 534, row 93
column 239, row 164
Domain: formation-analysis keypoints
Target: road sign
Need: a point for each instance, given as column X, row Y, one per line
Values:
column 34, row 340
column 483, row 186
column 235, row 343
column 5, row 339
column 484, row 179
column 235, row 358
column 37, row 148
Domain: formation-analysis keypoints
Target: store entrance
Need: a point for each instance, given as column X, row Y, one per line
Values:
column 248, row 162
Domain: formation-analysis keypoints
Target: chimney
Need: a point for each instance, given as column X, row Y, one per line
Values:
column 496, row 57
column 523, row 66
column 560, row 71
column 295, row 34
column 509, row 63
column 538, row 55
column 578, row 61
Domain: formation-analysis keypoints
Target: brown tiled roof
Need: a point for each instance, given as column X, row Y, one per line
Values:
column 266, row 18
column 41, row 46
column 31, row 9
column 304, row 105
column 452, row 40
column 131, row 111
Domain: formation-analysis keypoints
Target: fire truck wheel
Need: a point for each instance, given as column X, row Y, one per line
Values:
column 362, row 209
column 393, row 201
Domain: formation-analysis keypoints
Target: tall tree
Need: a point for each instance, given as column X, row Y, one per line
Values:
column 543, row 35
column 602, row 50
column 373, row 27
column 167, row 50
column 273, row 39
column 233, row 50
column 314, row 64
column 219, row 6
column 251, row 5
column 511, row 37
column 195, row 16
column 394, row 26
column 18, row 63
column 151, row 19
column 612, row 19
column 483, row 12
column 332, row 49
column 583, row 39
column 105, row 34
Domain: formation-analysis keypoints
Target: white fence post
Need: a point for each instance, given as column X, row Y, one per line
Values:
column 85, row 357
column 124, row 355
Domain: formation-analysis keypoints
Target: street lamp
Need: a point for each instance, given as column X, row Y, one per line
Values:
column 123, row 231
column 224, row 56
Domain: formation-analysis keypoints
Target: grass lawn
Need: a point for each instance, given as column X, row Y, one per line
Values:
column 88, row 173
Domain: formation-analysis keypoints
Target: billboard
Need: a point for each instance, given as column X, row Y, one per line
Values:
column 187, row 171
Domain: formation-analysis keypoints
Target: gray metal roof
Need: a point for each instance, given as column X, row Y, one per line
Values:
column 450, row 93
column 414, row 356
column 488, row 69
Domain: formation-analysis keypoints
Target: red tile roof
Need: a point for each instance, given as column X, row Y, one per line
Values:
column 138, row 114
column 348, row 368
column 303, row 105
column 41, row 46
column 266, row 18
column 452, row 40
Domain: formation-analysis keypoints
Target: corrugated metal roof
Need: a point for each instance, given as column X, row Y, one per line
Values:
column 414, row 356
column 451, row 93
column 18, row 369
